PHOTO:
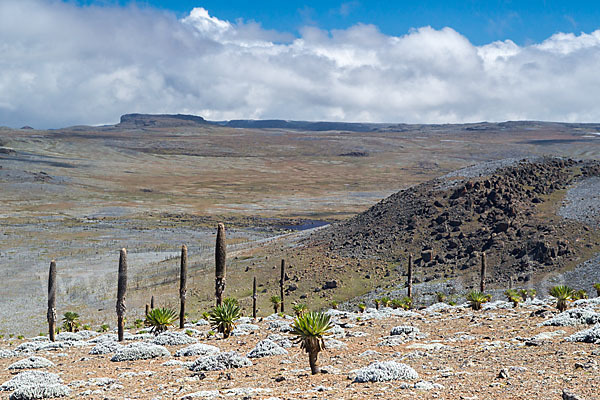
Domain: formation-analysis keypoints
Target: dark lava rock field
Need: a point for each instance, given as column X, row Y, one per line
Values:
column 509, row 214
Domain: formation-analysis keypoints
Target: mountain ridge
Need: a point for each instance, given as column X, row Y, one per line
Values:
column 139, row 120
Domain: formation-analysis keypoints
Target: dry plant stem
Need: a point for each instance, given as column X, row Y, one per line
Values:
column 281, row 285
column 220, row 267
column 483, row 273
column 182, row 286
column 121, row 291
column 52, row 301
column 410, row 276
column 254, row 299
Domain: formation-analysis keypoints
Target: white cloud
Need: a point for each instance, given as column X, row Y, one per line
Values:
column 63, row 65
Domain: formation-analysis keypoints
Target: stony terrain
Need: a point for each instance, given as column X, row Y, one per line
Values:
column 152, row 183
column 509, row 213
column 441, row 352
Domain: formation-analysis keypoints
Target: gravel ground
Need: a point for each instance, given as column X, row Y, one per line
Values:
column 486, row 168
column 582, row 202
column 462, row 354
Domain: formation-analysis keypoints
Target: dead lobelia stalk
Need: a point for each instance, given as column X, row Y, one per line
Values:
column 220, row 269
column 410, row 276
column 254, row 299
column 51, row 315
column 281, row 285
column 483, row 273
column 121, row 290
column 182, row 285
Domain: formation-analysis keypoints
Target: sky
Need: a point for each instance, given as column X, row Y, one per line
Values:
column 89, row 61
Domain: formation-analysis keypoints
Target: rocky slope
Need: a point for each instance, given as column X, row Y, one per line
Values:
column 509, row 213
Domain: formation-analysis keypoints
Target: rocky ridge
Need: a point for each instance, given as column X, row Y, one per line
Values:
column 446, row 223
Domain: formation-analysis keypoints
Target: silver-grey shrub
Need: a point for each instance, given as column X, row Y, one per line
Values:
column 220, row 361
column 266, row 348
column 385, row 371
column 198, row 349
column 140, row 351
column 33, row 362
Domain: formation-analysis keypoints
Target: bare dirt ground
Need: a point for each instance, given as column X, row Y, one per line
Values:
column 460, row 354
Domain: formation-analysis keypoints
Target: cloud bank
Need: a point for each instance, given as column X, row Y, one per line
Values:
column 62, row 65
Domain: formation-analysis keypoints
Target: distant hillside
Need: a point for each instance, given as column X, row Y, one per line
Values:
column 159, row 121
column 510, row 213
column 136, row 121
column 306, row 125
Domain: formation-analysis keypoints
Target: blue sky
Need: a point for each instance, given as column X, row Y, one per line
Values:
column 523, row 21
column 89, row 61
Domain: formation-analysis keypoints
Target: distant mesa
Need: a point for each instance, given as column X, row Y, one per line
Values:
column 136, row 121
column 153, row 121
column 160, row 120
column 26, row 127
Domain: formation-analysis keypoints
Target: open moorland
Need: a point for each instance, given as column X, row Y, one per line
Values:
column 150, row 184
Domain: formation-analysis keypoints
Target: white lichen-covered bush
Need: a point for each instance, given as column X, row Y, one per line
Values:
column 140, row 351
column 35, row 385
column 574, row 316
column 173, row 339
column 109, row 337
column 28, row 347
column 106, row 348
column 266, row 348
column 140, row 337
column 591, row 335
column 177, row 363
column 43, row 391
column 497, row 305
column 33, row 362
column 281, row 340
column 280, row 325
column 69, row 337
column 87, row 334
column 247, row 327
column 198, row 349
column 4, row 353
column 30, row 377
column 593, row 302
column 220, row 361
column 45, row 346
column 39, row 339
column 385, row 371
